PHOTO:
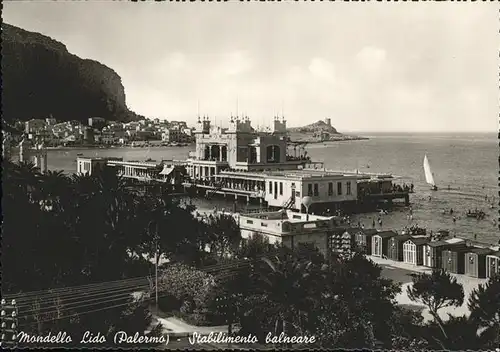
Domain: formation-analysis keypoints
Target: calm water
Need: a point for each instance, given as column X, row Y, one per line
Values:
column 467, row 163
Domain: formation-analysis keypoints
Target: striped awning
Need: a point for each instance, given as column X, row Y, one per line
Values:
column 167, row 170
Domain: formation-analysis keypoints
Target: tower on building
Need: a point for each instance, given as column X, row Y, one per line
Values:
column 279, row 126
column 36, row 155
column 25, row 150
column 40, row 157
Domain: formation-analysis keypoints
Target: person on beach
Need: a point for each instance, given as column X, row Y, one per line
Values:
column 454, row 220
column 430, row 198
column 451, row 211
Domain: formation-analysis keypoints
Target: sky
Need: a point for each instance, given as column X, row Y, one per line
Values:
column 381, row 67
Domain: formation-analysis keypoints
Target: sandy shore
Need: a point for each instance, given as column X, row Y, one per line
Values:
column 468, row 283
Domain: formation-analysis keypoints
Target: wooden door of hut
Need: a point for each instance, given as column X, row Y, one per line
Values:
column 492, row 264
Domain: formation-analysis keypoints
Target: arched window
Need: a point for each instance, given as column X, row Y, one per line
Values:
column 215, row 152
column 273, row 154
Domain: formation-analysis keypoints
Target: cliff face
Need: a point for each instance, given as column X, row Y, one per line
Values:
column 40, row 77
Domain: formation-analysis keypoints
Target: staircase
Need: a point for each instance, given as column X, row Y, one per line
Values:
column 289, row 203
column 217, row 188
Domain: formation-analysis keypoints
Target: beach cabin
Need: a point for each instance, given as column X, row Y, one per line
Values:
column 380, row 241
column 453, row 260
column 395, row 247
column 363, row 240
column 492, row 264
column 413, row 250
column 342, row 240
column 475, row 262
column 433, row 251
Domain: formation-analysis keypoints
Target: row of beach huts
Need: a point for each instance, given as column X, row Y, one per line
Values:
column 452, row 254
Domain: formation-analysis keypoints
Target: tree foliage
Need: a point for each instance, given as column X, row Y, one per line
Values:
column 436, row 291
column 484, row 304
column 62, row 231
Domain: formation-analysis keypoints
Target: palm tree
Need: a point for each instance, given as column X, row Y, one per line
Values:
column 54, row 186
column 283, row 280
column 26, row 177
column 223, row 234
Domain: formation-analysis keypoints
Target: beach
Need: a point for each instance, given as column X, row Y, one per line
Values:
column 465, row 162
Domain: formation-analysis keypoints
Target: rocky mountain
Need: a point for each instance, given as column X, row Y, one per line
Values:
column 316, row 128
column 40, row 77
column 319, row 132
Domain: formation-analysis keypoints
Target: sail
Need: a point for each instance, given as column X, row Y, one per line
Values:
column 429, row 178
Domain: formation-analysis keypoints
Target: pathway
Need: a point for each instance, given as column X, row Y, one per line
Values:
column 468, row 283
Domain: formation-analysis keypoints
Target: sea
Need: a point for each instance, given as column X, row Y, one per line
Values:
column 466, row 163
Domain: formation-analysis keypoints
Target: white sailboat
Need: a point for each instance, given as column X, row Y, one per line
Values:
column 429, row 177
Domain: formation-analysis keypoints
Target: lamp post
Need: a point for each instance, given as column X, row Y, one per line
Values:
column 307, row 201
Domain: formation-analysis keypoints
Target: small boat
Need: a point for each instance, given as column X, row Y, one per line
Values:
column 429, row 176
column 476, row 214
column 414, row 231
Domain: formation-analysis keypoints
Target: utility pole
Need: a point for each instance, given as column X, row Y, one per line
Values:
column 156, row 276
column 157, row 259
column 156, row 249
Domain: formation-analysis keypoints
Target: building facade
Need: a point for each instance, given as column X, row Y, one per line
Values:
column 36, row 154
column 289, row 228
column 88, row 166
column 35, row 125
column 240, row 147
column 326, row 189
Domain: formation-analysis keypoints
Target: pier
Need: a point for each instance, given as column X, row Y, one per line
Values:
column 241, row 163
column 386, row 196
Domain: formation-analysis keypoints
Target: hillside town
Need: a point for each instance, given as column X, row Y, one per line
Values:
column 100, row 132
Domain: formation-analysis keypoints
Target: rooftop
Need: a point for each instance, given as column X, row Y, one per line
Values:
column 447, row 242
column 308, row 173
column 299, row 173
column 419, row 240
column 401, row 237
column 287, row 215
column 480, row 251
column 96, row 158
column 386, row 234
